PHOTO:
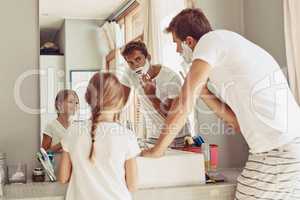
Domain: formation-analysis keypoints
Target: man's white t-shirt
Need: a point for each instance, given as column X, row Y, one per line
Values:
column 105, row 179
column 251, row 82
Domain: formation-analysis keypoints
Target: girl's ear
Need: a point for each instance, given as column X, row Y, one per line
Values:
column 59, row 108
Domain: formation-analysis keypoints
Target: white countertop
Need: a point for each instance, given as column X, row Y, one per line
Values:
column 56, row 191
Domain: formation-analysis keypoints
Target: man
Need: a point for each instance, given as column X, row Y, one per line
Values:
column 255, row 88
column 157, row 87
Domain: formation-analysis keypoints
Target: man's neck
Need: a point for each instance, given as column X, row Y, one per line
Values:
column 154, row 71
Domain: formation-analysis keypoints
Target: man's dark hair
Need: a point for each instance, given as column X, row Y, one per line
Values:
column 135, row 46
column 189, row 22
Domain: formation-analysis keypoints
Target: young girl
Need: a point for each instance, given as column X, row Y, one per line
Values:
column 66, row 104
column 99, row 156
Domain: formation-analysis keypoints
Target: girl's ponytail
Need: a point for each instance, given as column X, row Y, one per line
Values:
column 95, row 115
column 104, row 94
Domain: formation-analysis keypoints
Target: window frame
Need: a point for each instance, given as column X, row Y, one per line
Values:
column 122, row 19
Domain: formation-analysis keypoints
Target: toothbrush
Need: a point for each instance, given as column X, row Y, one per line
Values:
column 46, row 163
column 46, row 167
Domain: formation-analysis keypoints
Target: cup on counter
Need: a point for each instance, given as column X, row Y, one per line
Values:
column 17, row 173
column 38, row 175
column 213, row 148
column 210, row 152
column 206, row 152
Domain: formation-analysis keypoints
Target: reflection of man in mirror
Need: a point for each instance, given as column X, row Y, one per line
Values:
column 157, row 87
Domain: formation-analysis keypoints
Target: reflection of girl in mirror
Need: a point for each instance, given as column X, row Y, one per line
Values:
column 66, row 105
column 99, row 155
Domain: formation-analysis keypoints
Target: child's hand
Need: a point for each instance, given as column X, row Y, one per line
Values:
column 56, row 148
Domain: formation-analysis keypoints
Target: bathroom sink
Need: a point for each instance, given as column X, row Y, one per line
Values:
column 175, row 168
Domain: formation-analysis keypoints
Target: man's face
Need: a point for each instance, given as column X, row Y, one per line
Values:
column 178, row 42
column 136, row 59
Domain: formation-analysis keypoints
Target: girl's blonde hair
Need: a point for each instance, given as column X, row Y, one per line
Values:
column 61, row 96
column 104, row 94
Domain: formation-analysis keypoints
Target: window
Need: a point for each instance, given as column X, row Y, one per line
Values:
column 131, row 22
column 121, row 22
column 132, row 27
column 79, row 83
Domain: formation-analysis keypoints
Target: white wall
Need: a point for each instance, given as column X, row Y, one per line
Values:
column 264, row 25
column 19, row 49
column 261, row 21
column 81, row 47
column 224, row 14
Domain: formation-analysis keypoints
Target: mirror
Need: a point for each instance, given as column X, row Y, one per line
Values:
column 71, row 51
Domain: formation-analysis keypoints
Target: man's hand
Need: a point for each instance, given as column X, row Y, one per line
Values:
column 205, row 91
column 149, row 85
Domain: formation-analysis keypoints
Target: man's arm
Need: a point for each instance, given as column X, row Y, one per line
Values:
column 126, row 93
column 221, row 109
column 193, row 84
column 150, row 90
